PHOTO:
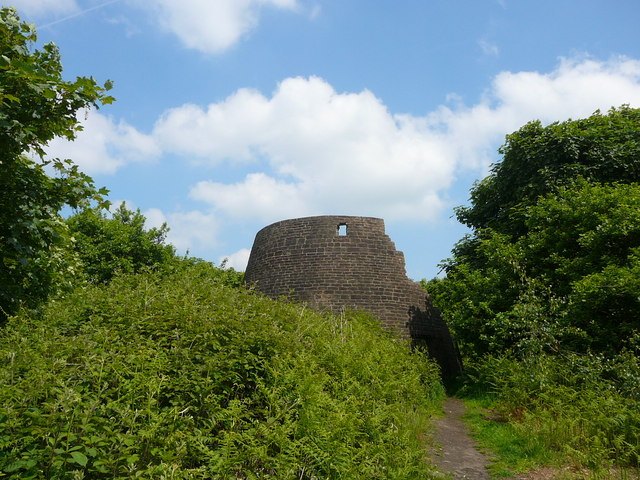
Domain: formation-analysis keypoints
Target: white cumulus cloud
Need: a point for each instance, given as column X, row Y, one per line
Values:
column 314, row 150
column 237, row 260
column 211, row 26
column 188, row 231
column 259, row 196
column 327, row 151
column 104, row 145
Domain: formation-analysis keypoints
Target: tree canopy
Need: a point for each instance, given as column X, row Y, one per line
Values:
column 553, row 261
column 538, row 159
column 121, row 244
column 36, row 105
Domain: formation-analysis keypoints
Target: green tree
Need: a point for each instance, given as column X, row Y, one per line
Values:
column 552, row 261
column 121, row 244
column 584, row 244
column 572, row 282
column 37, row 105
column 536, row 160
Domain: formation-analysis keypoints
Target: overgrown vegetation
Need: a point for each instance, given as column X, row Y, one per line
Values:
column 544, row 294
column 570, row 410
column 121, row 244
column 120, row 359
column 182, row 376
column 36, row 105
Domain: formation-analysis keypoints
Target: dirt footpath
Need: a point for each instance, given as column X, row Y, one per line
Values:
column 456, row 453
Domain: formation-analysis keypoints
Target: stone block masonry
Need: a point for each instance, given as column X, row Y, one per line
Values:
column 341, row 262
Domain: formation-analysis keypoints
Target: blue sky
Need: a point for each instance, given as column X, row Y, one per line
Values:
column 233, row 114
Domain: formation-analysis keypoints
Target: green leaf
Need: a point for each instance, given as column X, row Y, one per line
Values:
column 11, row 98
column 80, row 458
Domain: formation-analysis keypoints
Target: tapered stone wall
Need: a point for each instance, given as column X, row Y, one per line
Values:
column 341, row 262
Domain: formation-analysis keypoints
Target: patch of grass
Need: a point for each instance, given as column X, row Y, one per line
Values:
column 571, row 410
column 511, row 449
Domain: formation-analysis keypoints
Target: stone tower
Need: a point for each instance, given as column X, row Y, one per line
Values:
column 340, row 262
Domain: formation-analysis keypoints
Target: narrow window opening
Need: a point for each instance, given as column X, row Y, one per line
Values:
column 342, row 230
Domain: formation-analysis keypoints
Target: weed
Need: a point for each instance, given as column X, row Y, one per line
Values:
column 573, row 409
column 181, row 376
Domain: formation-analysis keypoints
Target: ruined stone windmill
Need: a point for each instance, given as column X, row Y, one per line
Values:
column 341, row 262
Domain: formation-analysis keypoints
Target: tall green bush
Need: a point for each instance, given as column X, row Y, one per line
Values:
column 552, row 262
column 571, row 283
column 180, row 376
column 120, row 244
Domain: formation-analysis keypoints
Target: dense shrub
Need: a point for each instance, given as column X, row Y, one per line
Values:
column 181, row 376
column 120, row 244
column 572, row 282
column 585, row 406
column 552, row 262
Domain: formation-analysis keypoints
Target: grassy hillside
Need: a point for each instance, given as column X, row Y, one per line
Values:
column 181, row 376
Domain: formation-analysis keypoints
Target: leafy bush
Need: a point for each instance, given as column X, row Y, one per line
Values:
column 118, row 245
column 571, row 283
column 180, row 376
column 553, row 260
column 586, row 406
